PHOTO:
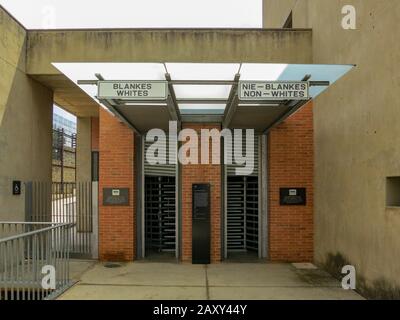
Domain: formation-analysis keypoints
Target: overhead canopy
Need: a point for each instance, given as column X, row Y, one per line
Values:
column 202, row 92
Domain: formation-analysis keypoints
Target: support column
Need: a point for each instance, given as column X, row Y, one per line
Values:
column 200, row 173
column 291, row 164
column 84, row 150
column 116, row 223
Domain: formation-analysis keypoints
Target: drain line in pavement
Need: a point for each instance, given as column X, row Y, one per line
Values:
column 207, row 288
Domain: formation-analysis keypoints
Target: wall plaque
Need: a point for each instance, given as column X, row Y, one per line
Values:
column 16, row 188
column 116, row 197
column 292, row 196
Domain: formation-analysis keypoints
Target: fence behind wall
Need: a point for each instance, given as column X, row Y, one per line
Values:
column 25, row 249
column 74, row 203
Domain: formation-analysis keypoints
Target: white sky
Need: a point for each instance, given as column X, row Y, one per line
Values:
column 58, row 14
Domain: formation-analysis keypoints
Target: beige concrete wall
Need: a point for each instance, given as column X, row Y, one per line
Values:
column 84, row 150
column 25, row 121
column 276, row 12
column 45, row 47
column 357, row 139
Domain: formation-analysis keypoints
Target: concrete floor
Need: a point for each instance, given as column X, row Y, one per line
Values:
column 169, row 281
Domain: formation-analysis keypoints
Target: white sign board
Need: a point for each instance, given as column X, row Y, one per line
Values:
column 273, row 90
column 133, row 90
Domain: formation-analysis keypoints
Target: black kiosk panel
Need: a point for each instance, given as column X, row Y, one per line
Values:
column 201, row 233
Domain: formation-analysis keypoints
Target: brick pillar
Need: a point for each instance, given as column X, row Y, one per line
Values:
column 95, row 134
column 291, row 164
column 116, row 224
column 201, row 174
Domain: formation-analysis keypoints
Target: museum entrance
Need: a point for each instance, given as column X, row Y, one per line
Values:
column 243, row 95
column 160, row 206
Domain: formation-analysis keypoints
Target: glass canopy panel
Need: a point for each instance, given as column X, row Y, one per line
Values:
column 203, row 71
column 261, row 71
column 318, row 72
column 200, row 71
column 202, row 91
column 110, row 71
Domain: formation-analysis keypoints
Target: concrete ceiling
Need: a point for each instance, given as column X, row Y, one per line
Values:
column 69, row 96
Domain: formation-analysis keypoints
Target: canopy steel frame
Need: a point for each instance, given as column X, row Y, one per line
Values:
column 173, row 107
column 206, row 82
column 231, row 104
column 119, row 115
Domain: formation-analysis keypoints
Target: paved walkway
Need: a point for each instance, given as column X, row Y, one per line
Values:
column 144, row 280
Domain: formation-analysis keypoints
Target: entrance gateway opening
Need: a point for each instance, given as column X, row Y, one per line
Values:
column 242, row 209
column 230, row 95
column 160, row 206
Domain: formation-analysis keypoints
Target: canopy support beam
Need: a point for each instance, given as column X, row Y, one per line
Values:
column 232, row 103
column 172, row 104
column 121, row 117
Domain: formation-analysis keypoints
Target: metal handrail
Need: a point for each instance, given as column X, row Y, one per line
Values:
column 29, row 223
column 25, row 257
column 30, row 233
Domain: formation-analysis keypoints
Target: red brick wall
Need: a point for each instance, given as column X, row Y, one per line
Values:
column 95, row 134
column 201, row 174
column 116, row 224
column 290, row 164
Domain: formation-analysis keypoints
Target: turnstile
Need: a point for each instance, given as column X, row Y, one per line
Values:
column 242, row 214
column 160, row 203
column 242, row 204
column 160, row 213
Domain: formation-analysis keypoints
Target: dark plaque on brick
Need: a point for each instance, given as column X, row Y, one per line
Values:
column 116, row 197
column 292, row 196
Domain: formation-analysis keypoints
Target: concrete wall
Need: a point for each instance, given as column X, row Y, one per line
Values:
column 275, row 13
column 180, row 45
column 357, row 140
column 25, row 121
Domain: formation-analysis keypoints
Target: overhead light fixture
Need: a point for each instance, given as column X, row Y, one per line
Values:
column 143, row 104
column 259, row 105
column 188, row 106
